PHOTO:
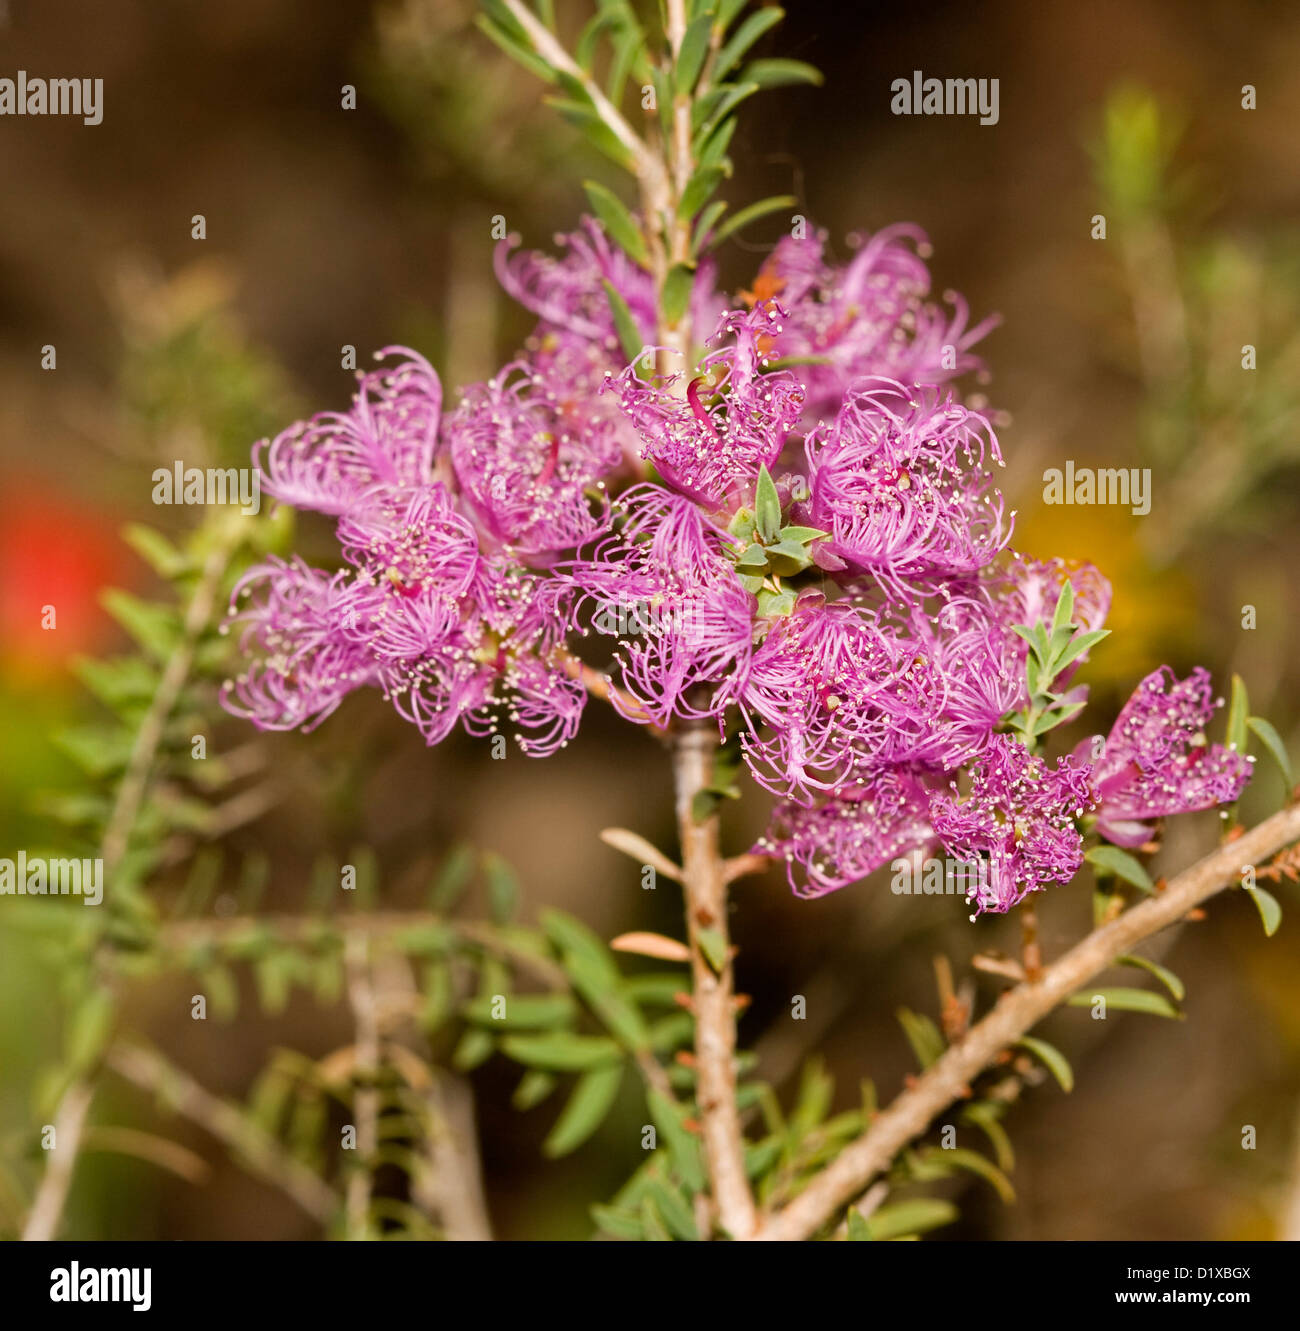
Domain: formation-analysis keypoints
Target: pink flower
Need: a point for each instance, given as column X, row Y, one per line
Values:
column 709, row 440
column 1020, row 817
column 527, row 456
column 867, row 317
column 900, row 483
column 1157, row 760
column 843, row 839
column 387, row 438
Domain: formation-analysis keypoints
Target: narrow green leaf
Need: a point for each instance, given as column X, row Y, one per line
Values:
column 617, row 1223
column 1111, row 860
column 781, row 73
column 618, row 222
column 973, row 1163
column 1162, row 973
column 1269, row 909
column 676, row 296
column 859, row 1230
column 676, row 1212
column 1076, row 647
column 739, row 220
column 156, row 628
column 767, row 506
column 1063, row 615
column 452, row 880
column 561, row 1051
column 516, row 50
column 1051, row 1058
column 652, row 1223
column 698, row 190
column 915, row 1216
column 923, row 1035
column 1238, row 716
column 683, row 1148
column 629, row 335
column 1273, row 743
column 534, row 1086
column 985, row 1117
column 714, row 947
column 520, row 1011
column 691, row 53
column 731, row 54
column 475, row 1046
column 591, row 1099
column 1127, row 1000
column 156, row 550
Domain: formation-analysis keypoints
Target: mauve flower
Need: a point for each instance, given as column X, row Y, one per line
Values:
column 867, row 317
column 844, row 839
column 1019, row 817
column 568, row 294
column 386, row 438
column 1157, row 760
column 900, row 483
column 528, row 456
column 661, row 583
column 302, row 660
column 709, row 439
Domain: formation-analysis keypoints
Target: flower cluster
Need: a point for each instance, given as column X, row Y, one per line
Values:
column 803, row 530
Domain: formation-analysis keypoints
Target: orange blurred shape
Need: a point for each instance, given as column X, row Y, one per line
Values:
column 54, row 552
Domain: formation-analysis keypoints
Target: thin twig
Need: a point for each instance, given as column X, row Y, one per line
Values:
column 365, row 1100
column 715, row 1023
column 69, row 1122
column 1017, row 1012
column 248, row 1142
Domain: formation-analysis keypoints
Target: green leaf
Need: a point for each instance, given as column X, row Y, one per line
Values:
column 973, row 1163
column 1063, row 615
column 670, row 1204
column 717, row 121
column 534, row 1086
column 691, row 53
column 561, row 1051
column 156, row 550
column 678, row 285
column 1127, row 1000
column 503, row 887
column 120, row 681
column 1162, row 973
column 522, row 1011
column 707, row 221
column 516, row 50
column 617, row 1223
column 1272, row 741
column 89, row 1028
column 698, row 189
column 1051, row 1058
column 915, row 1216
column 585, row 1111
column 1269, row 909
column 772, row 603
column 156, row 628
column 767, row 506
column 781, row 73
column 923, row 1035
column 452, row 880
column 739, row 220
column 1238, row 716
column 683, row 1148
column 571, row 936
column 984, row 1115
column 1077, row 646
column 743, row 38
column 859, row 1230
column 475, row 1046
column 652, row 1223
column 609, row 1001
column 588, row 121
column 618, row 222
column 1113, row 861
column 629, row 335
column 714, row 946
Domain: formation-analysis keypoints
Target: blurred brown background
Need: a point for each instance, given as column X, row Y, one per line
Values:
column 328, row 227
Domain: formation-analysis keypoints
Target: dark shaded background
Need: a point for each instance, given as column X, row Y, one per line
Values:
column 327, row 227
